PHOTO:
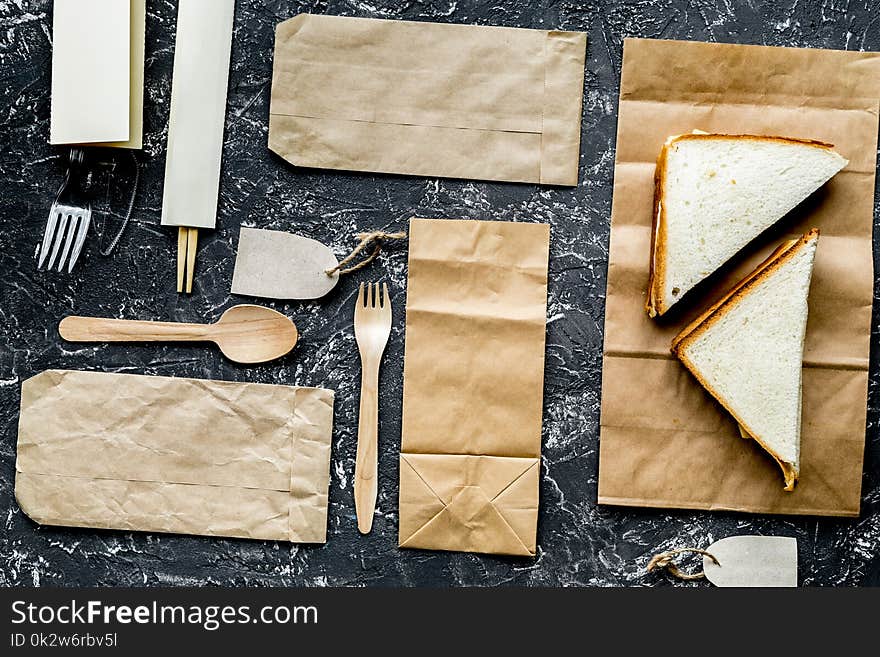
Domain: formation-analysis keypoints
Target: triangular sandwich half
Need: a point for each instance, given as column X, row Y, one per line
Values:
column 715, row 193
column 747, row 351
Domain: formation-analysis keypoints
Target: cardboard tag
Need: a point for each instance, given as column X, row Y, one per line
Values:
column 753, row 561
column 276, row 265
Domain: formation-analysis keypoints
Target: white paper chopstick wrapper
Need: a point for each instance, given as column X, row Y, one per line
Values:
column 91, row 71
column 198, row 111
column 136, row 98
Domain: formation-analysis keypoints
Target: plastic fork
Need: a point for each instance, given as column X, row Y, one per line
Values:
column 372, row 326
column 69, row 218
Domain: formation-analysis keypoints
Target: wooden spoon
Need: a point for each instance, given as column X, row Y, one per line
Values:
column 245, row 333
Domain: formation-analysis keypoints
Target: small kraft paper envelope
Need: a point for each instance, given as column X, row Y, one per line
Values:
column 188, row 456
column 473, row 385
column 428, row 99
column 663, row 441
column 98, row 73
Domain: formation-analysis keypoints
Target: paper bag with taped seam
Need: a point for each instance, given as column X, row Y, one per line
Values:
column 473, row 386
column 428, row 99
column 663, row 441
column 189, row 456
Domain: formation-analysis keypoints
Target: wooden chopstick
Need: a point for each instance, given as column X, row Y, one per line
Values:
column 181, row 256
column 191, row 245
column 187, row 243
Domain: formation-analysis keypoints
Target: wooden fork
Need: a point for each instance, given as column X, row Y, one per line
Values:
column 372, row 326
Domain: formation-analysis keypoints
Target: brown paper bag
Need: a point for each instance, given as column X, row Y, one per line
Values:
column 428, row 99
column 150, row 453
column 473, row 385
column 664, row 442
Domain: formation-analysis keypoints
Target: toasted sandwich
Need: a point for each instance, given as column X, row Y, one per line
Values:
column 747, row 351
column 715, row 193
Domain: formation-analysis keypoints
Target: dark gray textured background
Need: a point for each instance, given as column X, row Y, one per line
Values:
column 579, row 544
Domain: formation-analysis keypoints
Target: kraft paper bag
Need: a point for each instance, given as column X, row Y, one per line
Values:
column 428, row 99
column 189, row 456
column 473, row 386
column 663, row 441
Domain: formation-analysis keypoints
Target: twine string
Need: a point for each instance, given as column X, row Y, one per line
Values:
column 106, row 251
column 664, row 561
column 376, row 237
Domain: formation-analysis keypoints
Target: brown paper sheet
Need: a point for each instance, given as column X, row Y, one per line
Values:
column 428, row 99
column 473, row 386
column 189, row 456
column 663, row 441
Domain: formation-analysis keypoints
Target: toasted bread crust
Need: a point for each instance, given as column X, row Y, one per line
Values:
column 716, row 311
column 787, row 140
column 657, row 269
column 655, row 304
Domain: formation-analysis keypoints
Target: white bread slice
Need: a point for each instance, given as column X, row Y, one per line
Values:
column 714, row 194
column 747, row 351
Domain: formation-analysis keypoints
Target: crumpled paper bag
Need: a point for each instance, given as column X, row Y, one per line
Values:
column 663, row 441
column 189, row 456
column 473, row 385
column 428, row 99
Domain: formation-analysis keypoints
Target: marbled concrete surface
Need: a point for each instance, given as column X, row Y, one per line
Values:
column 579, row 543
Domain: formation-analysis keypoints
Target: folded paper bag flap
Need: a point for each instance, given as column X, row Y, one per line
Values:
column 469, row 503
column 146, row 453
column 418, row 505
column 518, row 505
column 447, row 474
column 469, row 521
